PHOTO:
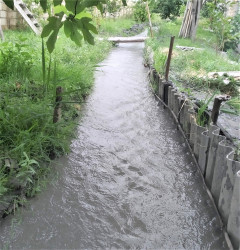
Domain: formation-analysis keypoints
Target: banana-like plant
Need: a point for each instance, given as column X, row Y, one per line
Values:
column 77, row 24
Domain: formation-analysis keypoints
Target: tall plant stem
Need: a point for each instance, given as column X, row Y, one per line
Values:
column 43, row 63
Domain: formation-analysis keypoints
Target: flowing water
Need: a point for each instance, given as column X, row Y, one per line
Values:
column 129, row 181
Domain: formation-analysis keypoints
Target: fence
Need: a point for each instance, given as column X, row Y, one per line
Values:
column 213, row 154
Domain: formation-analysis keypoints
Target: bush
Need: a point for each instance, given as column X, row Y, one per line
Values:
column 226, row 28
column 140, row 13
column 112, row 6
column 167, row 9
column 235, row 34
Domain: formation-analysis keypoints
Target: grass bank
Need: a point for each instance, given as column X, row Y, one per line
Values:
column 189, row 69
column 118, row 27
column 29, row 139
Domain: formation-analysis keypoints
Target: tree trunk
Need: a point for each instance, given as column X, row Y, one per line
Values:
column 191, row 18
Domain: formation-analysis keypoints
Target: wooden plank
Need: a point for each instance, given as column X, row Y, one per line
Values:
column 127, row 39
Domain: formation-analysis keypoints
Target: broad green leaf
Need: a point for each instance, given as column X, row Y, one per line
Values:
column 52, row 41
column 9, row 3
column 83, row 14
column 52, row 24
column 61, row 8
column 86, row 20
column 88, row 36
column 76, row 36
column 68, row 28
column 43, row 4
column 47, row 29
column 92, row 28
column 72, row 5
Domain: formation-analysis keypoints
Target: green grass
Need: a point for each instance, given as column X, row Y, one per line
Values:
column 192, row 67
column 28, row 136
column 114, row 27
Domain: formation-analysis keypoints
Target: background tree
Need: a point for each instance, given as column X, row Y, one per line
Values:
column 140, row 12
column 167, row 8
column 111, row 7
column 225, row 27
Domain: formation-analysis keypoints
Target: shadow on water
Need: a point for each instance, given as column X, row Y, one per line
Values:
column 129, row 181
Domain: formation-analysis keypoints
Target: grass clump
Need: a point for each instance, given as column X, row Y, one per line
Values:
column 117, row 27
column 29, row 139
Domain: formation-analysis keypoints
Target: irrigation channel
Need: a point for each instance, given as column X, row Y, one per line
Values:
column 129, row 181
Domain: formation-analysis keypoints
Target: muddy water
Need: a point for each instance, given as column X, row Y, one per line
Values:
column 129, row 181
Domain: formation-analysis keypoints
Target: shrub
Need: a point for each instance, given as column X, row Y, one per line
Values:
column 140, row 13
column 167, row 9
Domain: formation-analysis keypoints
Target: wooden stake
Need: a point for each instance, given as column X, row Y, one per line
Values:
column 216, row 106
column 169, row 58
column 58, row 105
column 149, row 19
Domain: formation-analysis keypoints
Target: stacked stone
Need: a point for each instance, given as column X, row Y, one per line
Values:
column 8, row 18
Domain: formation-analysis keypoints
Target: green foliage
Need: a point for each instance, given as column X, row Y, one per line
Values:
column 111, row 6
column 26, row 170
column 16, row 58
column 140, row 12
column 27, row 133
column 160, row 59
column 115, row 27
column 167, row 8
column 235, row 102
column 234, row 40
column 201, row 118
column 226, row 29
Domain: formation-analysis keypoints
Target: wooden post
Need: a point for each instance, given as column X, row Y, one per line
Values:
column 1, row 34
column 58, row 105
column 169, row 58
column 149, row 19
column 166, row 86
column 216, row 106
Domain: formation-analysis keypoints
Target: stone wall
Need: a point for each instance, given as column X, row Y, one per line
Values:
column 9, row 19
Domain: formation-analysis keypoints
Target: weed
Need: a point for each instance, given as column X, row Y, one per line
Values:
column 201, row 117
column 160, row 59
